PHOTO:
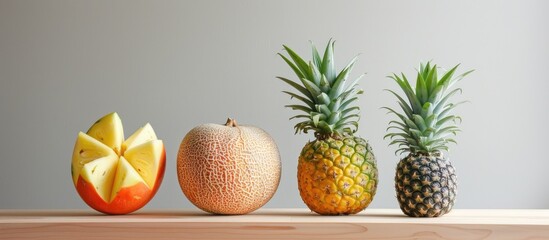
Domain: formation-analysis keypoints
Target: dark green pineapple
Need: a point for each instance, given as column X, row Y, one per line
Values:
column 425, row 181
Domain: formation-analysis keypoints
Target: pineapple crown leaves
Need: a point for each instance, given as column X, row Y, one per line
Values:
column 326, row 97
column 426, row 124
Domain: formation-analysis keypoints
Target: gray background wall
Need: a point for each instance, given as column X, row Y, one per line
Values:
column 177, row 64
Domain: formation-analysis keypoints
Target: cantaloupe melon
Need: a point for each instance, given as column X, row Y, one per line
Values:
column 228, row 169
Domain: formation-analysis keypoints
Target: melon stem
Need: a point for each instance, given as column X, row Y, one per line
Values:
column 231, row 123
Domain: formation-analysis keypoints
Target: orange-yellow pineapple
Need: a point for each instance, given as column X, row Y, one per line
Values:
column 337, row 171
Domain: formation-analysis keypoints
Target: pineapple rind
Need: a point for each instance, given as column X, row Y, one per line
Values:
column 426, row 186
column 337, row 176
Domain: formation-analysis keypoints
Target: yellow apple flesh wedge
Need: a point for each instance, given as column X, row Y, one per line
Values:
column 126, row 176
column 146, row 159
column 142, row 135
column 100, row 173
column 109, row 131
column 86, row 150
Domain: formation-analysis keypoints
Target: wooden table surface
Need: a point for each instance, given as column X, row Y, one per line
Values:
column 273, row 224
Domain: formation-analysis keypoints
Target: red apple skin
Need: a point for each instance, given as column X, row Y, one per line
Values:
column 128, row 199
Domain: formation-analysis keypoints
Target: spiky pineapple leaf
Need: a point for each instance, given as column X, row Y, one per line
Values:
column 393, row 135
column 346, row 127
column 349, row 110
column 324, row 99
column 390, row 110
column 316, row 57
column 334, row 117
column 327, row 127
column 430, row 122
column 446, row 110
column 448, row 129
column 421, row 88
column 304, row 100
column 458, row 78
column 296, row 70
column 444, row 81
column 298, row 87
column 337, row 88
column 299, row 107
column 328, row 67
column 412, row 98
column 399, row 125
column 312, row 88
column 347, row 118
column 418, row 120
column 324, row 84
column 316, row 75
column 354, row 83
column 324, row 93
column 346, row 103
column 339, row 84
column 335, row 105
column 300, row 116
column 411, row 124
column 317, row 117
column 441, row 104
column 446, row 119
column 400, row 141
column 431, row 80
column 402, row 150
column 427, row 109
column 299, row 63
column 351, row 93
column 323, row 109
column 426, row 125
column 403, row 104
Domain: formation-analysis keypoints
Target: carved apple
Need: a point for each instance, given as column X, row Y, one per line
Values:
column 114, row 176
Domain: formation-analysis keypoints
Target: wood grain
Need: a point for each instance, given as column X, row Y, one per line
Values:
column 273, row 224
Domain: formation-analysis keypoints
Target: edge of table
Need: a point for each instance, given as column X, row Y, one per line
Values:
column 275, row 223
